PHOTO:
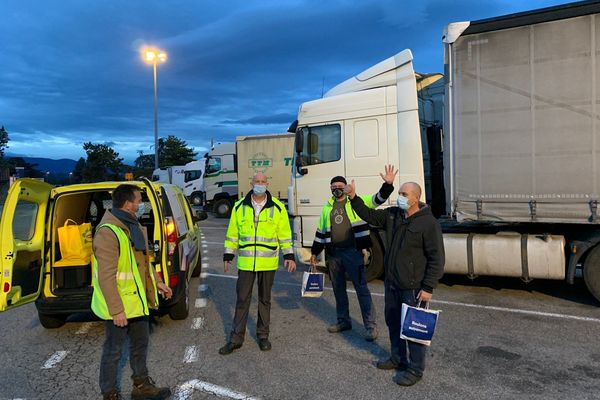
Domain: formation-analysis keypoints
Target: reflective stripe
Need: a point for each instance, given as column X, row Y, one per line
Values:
column 229, row 251
column 358, row 223
column 259, row 253
column 288, row 250
column 377, row 199
column 231, row 239
column 258, row 239
column 285, row 240
column 361, row 234
column 272, row 212
column 319, row 240
column 124, row 275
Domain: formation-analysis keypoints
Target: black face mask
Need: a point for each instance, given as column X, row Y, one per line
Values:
column 337, row 193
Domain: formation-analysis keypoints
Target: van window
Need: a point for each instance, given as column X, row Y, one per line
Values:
column 24, row 220
column 192, row 175
column 322, row 144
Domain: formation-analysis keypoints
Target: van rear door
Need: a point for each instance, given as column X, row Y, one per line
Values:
column 22, row 248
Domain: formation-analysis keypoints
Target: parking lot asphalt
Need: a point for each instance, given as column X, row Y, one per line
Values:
column 497, row 338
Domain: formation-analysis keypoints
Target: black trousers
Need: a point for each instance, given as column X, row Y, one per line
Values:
column 244, row 287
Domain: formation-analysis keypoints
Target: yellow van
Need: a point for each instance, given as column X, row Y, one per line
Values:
column 30, row 258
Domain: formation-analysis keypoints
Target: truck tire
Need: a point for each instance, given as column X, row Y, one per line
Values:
column 375, row 266
column 222, row 208
column 198, row 268
column 591, row 272
column 196, row 199
column 52, row 321
column 181, row 309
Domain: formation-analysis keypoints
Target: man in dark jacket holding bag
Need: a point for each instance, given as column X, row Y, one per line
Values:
column 414, row 262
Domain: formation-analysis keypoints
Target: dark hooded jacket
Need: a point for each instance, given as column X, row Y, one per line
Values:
column 414, row 247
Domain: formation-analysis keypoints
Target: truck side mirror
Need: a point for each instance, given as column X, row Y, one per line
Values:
column 299, row 141
column 300, row 165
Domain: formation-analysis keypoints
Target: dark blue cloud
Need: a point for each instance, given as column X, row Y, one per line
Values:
column 71, row 70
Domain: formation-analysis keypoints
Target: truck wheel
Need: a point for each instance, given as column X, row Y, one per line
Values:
column 198, row 268
column 196, row 199
column 181, row 309
column 375, row 266
column 222, row 208
column 52, row 321
column 591, row 272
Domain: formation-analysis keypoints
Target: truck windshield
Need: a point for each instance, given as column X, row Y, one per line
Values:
column 322, row 144
column 213, row 164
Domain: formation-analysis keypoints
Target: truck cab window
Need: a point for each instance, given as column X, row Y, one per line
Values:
column 192, row 175
column 321, row 144
column 213, row 164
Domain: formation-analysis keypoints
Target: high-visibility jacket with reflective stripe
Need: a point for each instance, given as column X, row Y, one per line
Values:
column 257, row 242
column 360, row 228
column 129, row 282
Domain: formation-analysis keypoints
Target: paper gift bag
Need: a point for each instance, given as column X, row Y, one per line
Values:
column 75, row 242
column 312, row 284
column 418, row 324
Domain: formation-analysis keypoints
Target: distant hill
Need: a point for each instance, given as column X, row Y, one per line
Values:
column 64, row 165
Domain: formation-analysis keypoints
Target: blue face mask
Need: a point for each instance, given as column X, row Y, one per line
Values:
column 140, row 210
column 402, row 203
column 260, row 189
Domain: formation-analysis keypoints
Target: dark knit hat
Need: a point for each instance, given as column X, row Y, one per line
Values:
column 338, row 179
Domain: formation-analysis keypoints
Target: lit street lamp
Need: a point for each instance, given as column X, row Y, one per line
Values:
column 154, row 56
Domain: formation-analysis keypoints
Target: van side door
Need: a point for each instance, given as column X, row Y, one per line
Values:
column 23, row 244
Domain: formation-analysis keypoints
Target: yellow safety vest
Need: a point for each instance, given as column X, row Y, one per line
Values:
column 129, row 282
column 257, row 244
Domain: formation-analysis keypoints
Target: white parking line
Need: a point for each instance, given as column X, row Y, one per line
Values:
column 204, row 245
column 203, row 287
column 198, row 323
column 454, row 303
column 203, row 275
column 201, row 303
column 55, row 359
column 185, row 391
column 84, row 328
column 205, row 265
column 191, row 354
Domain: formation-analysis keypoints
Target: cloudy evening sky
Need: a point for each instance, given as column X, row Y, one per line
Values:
column 71, row 70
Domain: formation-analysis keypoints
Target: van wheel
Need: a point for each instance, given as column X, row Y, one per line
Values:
column 375, row 265
column 181, row 309
column 591, row 272
column 222, row 208
column 52, row 321
column 198, row 268
column 196, row 199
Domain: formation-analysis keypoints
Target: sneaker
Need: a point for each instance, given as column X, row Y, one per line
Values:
column 336, row 328
column 371, row 334
column 264, row 344
column 229, row 348
column 145, row 389
column 390, row 364
column 407, row 378
column 114, row 395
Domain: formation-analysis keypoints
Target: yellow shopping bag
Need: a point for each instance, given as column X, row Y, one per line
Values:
column 75, row 242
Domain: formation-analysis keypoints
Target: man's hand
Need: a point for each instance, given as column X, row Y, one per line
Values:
column 313, row 260
column 226, row 265
column 290, row 265
column 120, row 320
column 164, row 290
column 390, row 174
column 350, row 190
column 424, row 296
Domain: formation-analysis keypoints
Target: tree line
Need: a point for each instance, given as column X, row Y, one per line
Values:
column 103, row 163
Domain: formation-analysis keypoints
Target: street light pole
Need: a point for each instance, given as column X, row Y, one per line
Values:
column 155, row 119
column 153, row 56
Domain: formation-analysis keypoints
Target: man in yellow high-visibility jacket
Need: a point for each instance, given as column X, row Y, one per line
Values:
column 259, row 227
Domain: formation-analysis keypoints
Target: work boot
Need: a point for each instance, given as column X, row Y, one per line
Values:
column 339, row 327
column 407, row 378
column 264, row 344
column 145, row 389
column 229, row 348
column 390, row 364
column 371, row 334
column 114, row 395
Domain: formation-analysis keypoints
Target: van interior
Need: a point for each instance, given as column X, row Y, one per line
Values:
column 89, row 206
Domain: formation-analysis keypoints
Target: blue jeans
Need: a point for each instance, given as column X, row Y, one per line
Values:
column 350, row 261
column 403, row 351
column 138, row 331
